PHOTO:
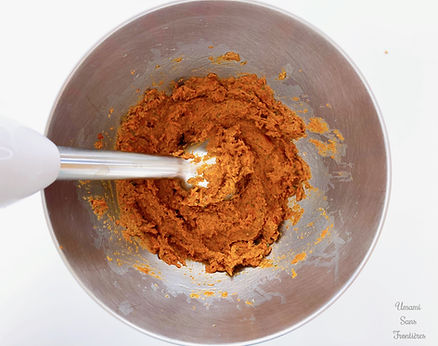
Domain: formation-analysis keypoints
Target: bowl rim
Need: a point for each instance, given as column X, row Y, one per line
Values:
column 383, row 216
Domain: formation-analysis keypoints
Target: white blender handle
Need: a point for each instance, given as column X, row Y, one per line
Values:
column 28, row 161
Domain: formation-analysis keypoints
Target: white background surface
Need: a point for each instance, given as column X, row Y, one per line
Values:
column 41, row 41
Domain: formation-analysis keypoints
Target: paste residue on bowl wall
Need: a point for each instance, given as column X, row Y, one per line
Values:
column 312, row 235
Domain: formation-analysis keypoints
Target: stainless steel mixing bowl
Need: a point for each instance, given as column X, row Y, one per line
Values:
column 186, row 305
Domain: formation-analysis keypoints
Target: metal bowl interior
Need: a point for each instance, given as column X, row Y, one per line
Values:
column 349, row 200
